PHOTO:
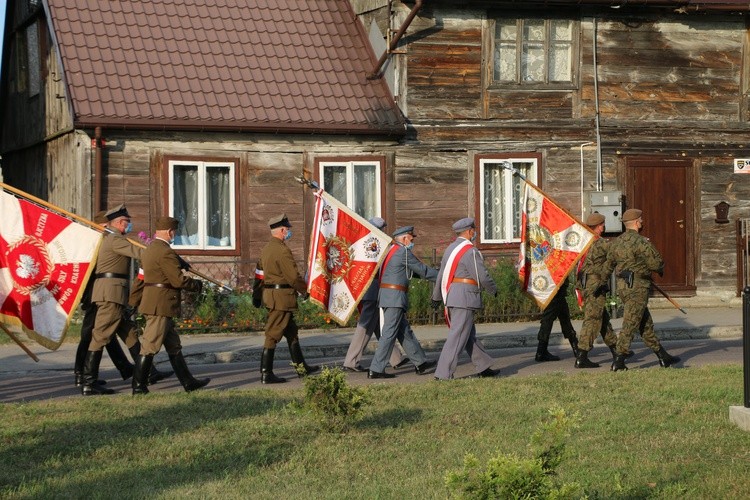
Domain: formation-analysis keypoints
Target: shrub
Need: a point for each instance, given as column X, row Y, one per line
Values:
column 511, row 476
column 331, row 397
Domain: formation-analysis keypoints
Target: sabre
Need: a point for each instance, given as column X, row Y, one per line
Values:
column 509, row 166
column 670, row 299
column 307, row 182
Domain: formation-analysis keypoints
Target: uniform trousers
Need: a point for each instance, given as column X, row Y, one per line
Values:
column 596, row 321
column 396, row 327
column 556, row 309
column 462, row 335
column 368, row 323
column 160, row 331
column 111, row 319
column 280, row 324
column 636, row 318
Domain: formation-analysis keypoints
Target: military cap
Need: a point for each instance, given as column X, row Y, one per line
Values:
column 594, row 219
column 404, row 230
column 462, row 225
column 166, row 223
column 631, row 214
column 100, row 217
column 278, row 221
column 377, row 222
column 118, row 211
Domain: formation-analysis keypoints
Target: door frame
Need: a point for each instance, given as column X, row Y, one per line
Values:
column 691, row 195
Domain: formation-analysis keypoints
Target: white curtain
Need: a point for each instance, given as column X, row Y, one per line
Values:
column 217, row 205
column 365, row 192
column 185, row 203
column 494, row 196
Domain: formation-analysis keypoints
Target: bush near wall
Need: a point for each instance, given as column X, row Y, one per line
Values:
column 216, row 311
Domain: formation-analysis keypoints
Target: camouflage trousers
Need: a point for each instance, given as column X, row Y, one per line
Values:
column 595, row 322
column 636, row 318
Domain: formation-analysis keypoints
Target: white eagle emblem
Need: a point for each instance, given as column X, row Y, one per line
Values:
column 27, row 267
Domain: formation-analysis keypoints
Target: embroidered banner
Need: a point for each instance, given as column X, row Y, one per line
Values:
column 551, row 242
column 45, row 262
column 345, row 253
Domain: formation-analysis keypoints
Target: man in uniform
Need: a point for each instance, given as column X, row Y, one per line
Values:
column 460, row 281
column 593, row 280
column 163, row 280
column 399, row 266
column 110, row 294
column 633, row 257
column 556, row 309
column 369, row 323
column 114, row 350
column 281, row 285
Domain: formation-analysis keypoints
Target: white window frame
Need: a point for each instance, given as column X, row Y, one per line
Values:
column 202, row 216
column 351, row 165
column 507, row 179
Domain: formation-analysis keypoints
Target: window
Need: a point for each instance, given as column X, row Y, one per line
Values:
column 32, row 58
column 501, row 196
column 202, row 197
column 356, row 184
column 534, row 52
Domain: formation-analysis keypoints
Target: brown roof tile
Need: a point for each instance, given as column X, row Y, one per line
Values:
column 286, row 65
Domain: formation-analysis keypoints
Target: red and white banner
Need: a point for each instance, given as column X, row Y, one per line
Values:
column 45, row 262
column 551, row 242
column 345, row 253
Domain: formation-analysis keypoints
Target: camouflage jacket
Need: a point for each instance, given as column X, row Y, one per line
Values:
column 632, row 252
column 594, row 265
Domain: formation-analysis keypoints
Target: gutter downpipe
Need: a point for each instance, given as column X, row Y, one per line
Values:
column 97, row 169
column 581, row 149
column 599, row 174
column 376, row 72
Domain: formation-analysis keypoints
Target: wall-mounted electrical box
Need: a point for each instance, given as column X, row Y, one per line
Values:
column 609, row 204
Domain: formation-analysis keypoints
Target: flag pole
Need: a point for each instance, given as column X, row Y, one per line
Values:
column 52, row 207
column 20, row 344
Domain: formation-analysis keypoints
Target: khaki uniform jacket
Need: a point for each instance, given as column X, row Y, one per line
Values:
column 114, row 257
column 279, row 268
column 632, row 252
column 595, row 265
column 161, row 265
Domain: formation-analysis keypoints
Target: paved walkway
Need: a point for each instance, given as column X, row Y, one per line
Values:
column 722, row 322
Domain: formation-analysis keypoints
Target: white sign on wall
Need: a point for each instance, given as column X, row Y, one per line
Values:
column 741, row 166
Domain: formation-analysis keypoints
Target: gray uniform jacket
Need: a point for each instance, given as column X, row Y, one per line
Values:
column 471, row 266
column 114, row 257
column 400, row 269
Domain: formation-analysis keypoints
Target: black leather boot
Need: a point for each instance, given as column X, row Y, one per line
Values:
column 142, row 368
column 154, row 375
column 295, row 351
column 542, row 354
column 266, row 368
column 614, row 353
column 117, row 355
column 89, row 387
column 573, row 339
column 583, row 361
column 665, row 359
column 189, row 383
column 619, row 364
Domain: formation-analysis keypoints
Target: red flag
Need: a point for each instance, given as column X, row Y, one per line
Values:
column 45, row 262
column 345, row 254
column 551, row 242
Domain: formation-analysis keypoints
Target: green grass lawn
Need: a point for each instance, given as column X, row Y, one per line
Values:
column 647, row 433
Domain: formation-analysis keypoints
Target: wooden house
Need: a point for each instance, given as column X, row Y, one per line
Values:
column 406, row 110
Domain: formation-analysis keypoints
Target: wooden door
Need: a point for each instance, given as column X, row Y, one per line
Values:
column 664, row 190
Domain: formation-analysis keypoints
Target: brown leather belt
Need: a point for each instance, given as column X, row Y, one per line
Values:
column 394, row 287
column 276, row 287
column 161, row 285
column 468, row 281
column 112, row 275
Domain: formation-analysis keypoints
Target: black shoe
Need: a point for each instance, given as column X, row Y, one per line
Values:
column 425, row 367
column 545, row 355
column 372, row 374
column 157, row 375
column 619, row 364
column 583, row 361
column 270, row 378
column 403, row 363
column 488, row 373
column 79, row 381
column 665, row 359
column 356, row 369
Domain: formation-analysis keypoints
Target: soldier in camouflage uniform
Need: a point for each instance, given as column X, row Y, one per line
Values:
column 594, row 283
column 634, row 258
